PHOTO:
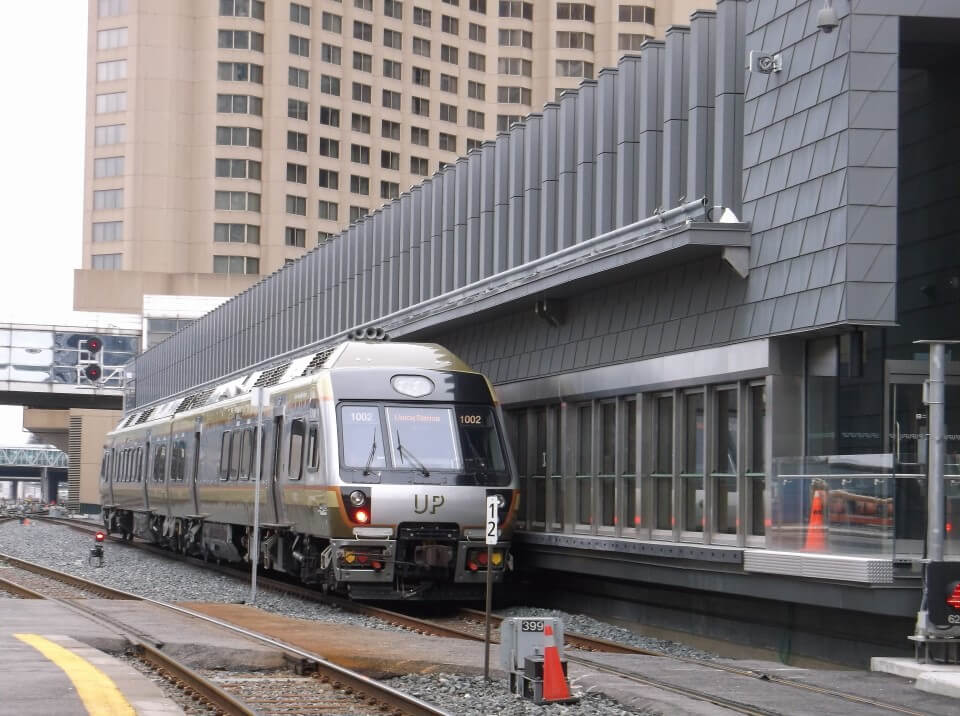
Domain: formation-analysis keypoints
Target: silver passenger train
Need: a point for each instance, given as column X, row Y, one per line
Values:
column 377, row 459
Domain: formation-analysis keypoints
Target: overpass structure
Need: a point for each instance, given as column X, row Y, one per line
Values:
column 43, row 465
column 697, row 289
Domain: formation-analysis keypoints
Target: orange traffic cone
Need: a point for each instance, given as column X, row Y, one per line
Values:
column 555, row 686
column 816, row 532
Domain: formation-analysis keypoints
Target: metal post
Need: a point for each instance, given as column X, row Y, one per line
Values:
column 255, row 547
column 489, row 605
column 936, row 450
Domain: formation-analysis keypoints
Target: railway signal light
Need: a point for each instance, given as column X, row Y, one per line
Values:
column 93, row 372
column 94, row 344
column 100, row 536
column 943, row 593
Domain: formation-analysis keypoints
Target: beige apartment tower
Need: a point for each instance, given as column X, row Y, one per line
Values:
column 225, row 137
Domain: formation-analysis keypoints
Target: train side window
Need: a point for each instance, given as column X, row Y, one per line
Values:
column 159, row 462
column 246, row 453
column 295, row 463
column 225, row 455
column 313, row 447
column 235, row 454
column 178, row 461
column 105, row 466
column 139, row 464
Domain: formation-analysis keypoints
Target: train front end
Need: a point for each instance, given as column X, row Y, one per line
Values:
column 421, row 448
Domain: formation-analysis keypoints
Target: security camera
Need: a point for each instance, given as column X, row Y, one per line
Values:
column 827, row 19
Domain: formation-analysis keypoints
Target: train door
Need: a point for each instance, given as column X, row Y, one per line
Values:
column 273, row 482
column 195, row 471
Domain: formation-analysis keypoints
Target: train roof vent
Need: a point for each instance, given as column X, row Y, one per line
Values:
column 129, row 421
column 194, row 400
column 318, row 361
column 271, row 376
column 144, row 416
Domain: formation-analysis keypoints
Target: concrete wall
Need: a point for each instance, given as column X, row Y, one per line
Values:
column 88, row 430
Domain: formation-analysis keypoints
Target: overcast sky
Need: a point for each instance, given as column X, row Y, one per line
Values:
column 41, row 201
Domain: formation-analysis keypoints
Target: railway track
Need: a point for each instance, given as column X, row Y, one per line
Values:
column 468, row 624
column 313, row 684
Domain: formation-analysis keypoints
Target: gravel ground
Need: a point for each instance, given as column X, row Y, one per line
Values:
column 473, row 696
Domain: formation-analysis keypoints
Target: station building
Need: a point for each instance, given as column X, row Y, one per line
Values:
column 697, row 289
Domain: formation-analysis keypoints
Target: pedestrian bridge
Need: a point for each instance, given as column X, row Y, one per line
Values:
column 50, row 365
column 39, row 464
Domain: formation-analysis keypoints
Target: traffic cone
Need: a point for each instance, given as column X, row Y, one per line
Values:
column 555, row 686
column 816, row 532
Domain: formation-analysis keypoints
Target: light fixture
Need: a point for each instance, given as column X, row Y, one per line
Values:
column 827, row 19
column 414, row 386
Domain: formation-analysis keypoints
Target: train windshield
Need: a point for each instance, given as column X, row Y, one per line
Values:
column 362, row 437
column 422, row 439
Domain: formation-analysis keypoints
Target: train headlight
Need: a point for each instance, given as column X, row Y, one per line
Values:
column 357, row 498
column 414, row 386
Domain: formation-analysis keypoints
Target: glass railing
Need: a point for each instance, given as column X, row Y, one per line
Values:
column 858, row 505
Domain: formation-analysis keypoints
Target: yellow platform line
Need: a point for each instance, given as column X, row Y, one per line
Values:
column 100, row 696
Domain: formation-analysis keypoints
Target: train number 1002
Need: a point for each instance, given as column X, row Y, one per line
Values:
column 471, row 420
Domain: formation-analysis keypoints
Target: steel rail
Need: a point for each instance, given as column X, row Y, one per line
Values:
column 19, row 590
column 78, row 582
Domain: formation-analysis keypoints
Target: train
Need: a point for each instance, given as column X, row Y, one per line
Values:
column 377, row 459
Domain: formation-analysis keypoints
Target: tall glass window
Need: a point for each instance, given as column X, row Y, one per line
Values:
column 756, row 456
column 584, row 462
column 663, row 464
column 725, row 498
column 538, row 480
column 556, row 481
column 608, row 464
column 692, row 492
column 628, row 512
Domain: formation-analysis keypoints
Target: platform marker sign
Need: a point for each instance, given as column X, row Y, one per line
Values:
column 492, row 531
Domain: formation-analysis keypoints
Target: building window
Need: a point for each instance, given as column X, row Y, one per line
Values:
column 421, row 47
column 514, row 66
column 449, row 24
column 515, row 38
column 108, row 199
column 421, row 76
column 418, row 166
column 107, row 167
column 297, row 109
column 420, row 106
column 358, row 212
column 109, row 134
column 359, row 185
column 362, row 31
column 474, row 144
column 421, row 17
column 756, row 458
column 239, row 136
column 296, row 205
column 390, row 130
column 477, row 33
column 391, row 99
column 239, row 40
column 237, row 168
column 631, row 41
column 362, row 92
column 725, row 500
column 243, row 8
column 331, row 22
column 663, row 463
column 298, row 13
column 330, row 85
column 106, row 262
column 236, row 265
column 392, row 70
column 330, row 116
column 575, row 11
column 449, row 54
column 359, row 154
column 476, row 61
column 327, row 210
column 107, row 231
column 692, row 490
column 637, row 13
column 323, row 237
column 448, row 142
column 239, row 104
column 329, row 148
column 448, row 113
column 455, row 3
column 112, row 39
column 575, row 40
column 298, row 78
column 240, row 72
column 330, row 54
column 362, row 62
column 236, row 201
column 389, row 190
column 112, row 8
column 299, row 46
column 363, row 4
column 479, row 6
column 295, row 237
column 420, row 136
column 236, row 233
column 392, row 38
column 516, row 8
column 574, row 68
column 390, row 160
column 360, row 123
column 328, row 179
column 513, row 95
column 296, row 173
column 393, row 8
column 505, row 120
column 448, row 83
column 475, row 119
column 297, row 141
column 112, row 70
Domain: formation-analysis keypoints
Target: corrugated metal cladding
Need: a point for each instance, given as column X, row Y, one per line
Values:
column 790, row 151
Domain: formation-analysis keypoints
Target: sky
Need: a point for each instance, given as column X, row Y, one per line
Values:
column 41, row 187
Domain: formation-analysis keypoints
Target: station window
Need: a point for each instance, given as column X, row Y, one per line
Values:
column 692, row 489
column 663, row 463
column 628, row 512
column 725, row 495
column 756, row 452
column 584, row 479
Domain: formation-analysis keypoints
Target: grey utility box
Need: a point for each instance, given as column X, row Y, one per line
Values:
column 522, row 641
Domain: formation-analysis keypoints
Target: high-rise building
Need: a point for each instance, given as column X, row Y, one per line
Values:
column 225, row 137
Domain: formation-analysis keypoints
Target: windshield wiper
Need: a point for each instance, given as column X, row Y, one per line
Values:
column 473, row 448
column 413, row 458
column 373, row 451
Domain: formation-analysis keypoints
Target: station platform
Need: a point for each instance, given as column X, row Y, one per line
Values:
column 942, row 679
